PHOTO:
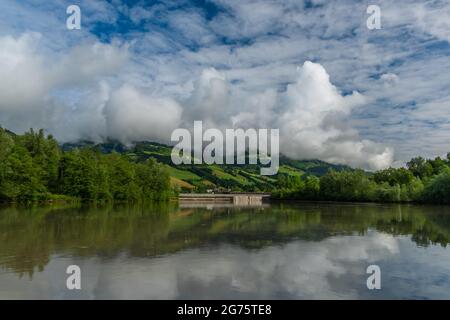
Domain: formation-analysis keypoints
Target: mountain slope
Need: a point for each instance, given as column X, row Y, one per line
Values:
column 225, row 177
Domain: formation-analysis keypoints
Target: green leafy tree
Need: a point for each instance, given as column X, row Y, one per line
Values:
column 437, row 190
column 412, row 191
column 387, row 193
column 153, row 180
column 420, row 167
column 20, row 177
column 438, row 165
column 6, row 146
column 346, row 186
column 122, row 180
column 394, row 176
column 311, row 188
column 45, row 153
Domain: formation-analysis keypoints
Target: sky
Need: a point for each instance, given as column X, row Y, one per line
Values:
column 337, row 90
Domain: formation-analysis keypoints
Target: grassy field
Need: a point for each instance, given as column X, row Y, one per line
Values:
column 199, row 178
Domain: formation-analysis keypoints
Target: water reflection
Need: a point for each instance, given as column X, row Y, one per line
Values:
column 277, row 251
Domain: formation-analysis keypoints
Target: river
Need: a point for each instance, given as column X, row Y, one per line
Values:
column 276, row 251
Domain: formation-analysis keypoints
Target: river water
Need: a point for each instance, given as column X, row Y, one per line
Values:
column 277, row 251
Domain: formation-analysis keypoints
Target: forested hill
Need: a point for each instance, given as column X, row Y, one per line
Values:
column 199, row 178
column 35, row 167
column 423, row 180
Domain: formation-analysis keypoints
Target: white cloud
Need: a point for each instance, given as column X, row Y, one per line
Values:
column 312, row 116
column 133, row 116
column 209, row 99
column 313, row 127
column 21, row 72
column 389, row 79
column 400, row 69
column 434, row 20
column 224, row 272
column 32, row 84
column 309, row 113
column 247, row 18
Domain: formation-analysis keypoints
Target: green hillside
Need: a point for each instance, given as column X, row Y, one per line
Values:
column 200, row 178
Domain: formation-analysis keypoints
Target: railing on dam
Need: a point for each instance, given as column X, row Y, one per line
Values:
column 231, row 198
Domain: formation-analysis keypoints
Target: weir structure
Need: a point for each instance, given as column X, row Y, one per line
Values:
column 239, row 199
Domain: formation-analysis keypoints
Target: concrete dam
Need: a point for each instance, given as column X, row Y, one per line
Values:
column 240, row 199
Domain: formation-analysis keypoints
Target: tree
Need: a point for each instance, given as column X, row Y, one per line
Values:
column 412, row 191
column 346, row 186
column 20, row 178
column 437, row 190
column 76, row 177
column 438, row 165
column 394, row 176
column 387, row 193
column 121, row 175
column 289, row 182
column 45, row 153
column 6, row 145
column 312, row 188
column 153, row 180
column 420, row 168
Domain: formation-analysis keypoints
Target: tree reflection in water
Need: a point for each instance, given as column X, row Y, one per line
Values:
column 29, row 236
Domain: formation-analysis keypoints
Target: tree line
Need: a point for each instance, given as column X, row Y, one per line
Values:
column 423, row 181
column 34, row 168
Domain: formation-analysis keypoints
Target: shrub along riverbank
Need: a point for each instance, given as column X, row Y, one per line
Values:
column 34, row 168
column 423, row 181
